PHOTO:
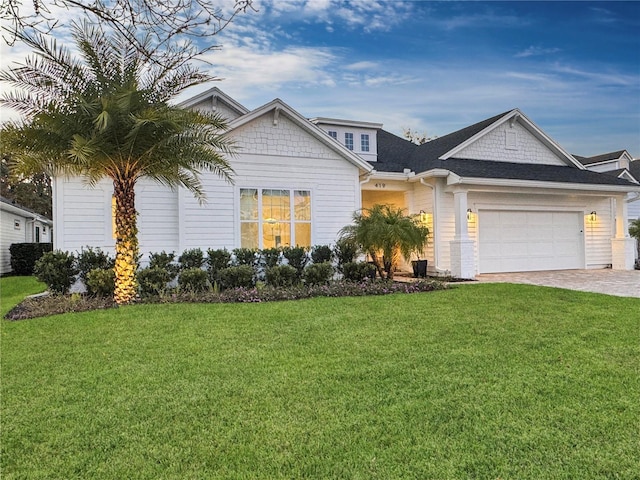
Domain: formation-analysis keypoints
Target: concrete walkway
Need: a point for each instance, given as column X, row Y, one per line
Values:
column 610, row 282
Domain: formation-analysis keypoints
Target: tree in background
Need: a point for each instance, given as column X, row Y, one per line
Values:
column 105, row 115
column 32, row 192
column 634, row 231
column 170, row 26
column 418, row 138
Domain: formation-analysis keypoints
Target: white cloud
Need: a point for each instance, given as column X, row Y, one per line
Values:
column 365, row 65
column 536, row 51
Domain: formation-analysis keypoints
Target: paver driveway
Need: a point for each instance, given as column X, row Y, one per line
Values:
column 610, row 282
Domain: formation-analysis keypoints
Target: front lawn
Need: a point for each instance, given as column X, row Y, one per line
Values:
column 479, row 381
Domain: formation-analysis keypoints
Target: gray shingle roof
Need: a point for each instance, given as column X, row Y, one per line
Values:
column 396, row 154
column 599, row 158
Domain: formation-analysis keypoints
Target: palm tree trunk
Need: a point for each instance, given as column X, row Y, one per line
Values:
column 126, row 241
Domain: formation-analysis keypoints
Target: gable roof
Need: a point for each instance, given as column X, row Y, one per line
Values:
column 278, row 107
column 605, row 157
column 218, row 94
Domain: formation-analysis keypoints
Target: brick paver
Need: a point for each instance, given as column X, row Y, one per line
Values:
column 607, row 281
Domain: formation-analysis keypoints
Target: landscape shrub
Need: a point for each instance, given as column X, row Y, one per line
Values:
column 281, row 276
column 321, row 254
column 318, row 274
column 358, row 271
column 217, row 260
column 345, row 251
column 270, row 257
column 297, row 258
column 244, row 256
column 241, row 276
column 153, row 281
column 192, row 258
column 166, row 261
column 193, row 280
column 25, row 255
column 101, row 282
column 90, row 259
column 57, row 270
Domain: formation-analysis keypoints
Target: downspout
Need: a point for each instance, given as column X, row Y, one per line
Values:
column 436, row 249
column 635, row 198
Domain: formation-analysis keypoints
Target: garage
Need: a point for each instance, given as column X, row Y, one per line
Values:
column 523, row 241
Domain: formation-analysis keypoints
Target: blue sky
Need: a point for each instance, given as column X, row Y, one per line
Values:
column 572, row 67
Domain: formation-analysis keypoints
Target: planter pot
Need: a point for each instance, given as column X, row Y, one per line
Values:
column 419, row 268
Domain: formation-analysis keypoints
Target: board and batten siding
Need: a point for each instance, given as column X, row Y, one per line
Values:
column 493, row 146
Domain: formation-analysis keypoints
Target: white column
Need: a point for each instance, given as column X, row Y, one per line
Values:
column 622, row 246
column 462, row 247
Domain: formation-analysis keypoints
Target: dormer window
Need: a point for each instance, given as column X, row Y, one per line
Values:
column 364, row 142
column 333, row 134
column 348, row 140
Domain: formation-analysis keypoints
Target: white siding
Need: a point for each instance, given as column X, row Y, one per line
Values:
column 8, row 236
column 220, row 108
column 604, row 167
column 493, row 146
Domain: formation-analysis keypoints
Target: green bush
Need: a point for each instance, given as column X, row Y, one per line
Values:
column 217, row 260
column 244, row 256
column 297, row 257
column 271, row 257
column 90, row 259
column 165, row 261
column 25, row 255
column 57, row 270
column 193, row 258
column 153, row 281
column 281, row 276
column 318, row 274
column 358, row 271
column 345, row 251
column 193, row 280
column 241, row 276
column 101, row 282
column 321, row 254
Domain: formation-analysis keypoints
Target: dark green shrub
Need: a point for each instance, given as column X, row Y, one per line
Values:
column 217, row 260
column 193, row 258
column 165, row 261
column 321, row 254
column 345, row 251
column 153, row 281
column 193, row 280
column 271, row 257
column 56, row 269
column 281, row 276
column 241, row 276
column 318, row 274
column 297, row 257
column 244, row 256
column 100, row 282
column 358, row 271
column 25, row 255
column 90, row 259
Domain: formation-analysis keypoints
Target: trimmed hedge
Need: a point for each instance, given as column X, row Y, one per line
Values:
column 25, row 255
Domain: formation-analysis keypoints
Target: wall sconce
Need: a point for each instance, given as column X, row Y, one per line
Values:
column 469, row 213
column 592, row 216
column 424, row 217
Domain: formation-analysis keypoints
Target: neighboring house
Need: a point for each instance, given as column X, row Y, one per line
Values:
column 20, row 225
column 498, row 196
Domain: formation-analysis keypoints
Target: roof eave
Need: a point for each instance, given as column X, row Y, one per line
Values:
column 508, row 182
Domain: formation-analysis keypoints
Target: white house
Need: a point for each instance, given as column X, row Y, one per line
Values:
column 498, row 196
column 20, row 225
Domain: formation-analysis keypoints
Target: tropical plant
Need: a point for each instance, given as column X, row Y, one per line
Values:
column 105, row 114
column 386, row 233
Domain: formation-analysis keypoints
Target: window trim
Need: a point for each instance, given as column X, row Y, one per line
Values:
column 349, row 136
column 333, row 134
column 260, row 221
column 362, row 143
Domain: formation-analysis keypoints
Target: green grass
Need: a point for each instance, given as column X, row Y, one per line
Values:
column 14, row 289
column 480, row 381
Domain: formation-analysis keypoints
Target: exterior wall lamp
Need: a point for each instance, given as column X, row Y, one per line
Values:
column 424, row 217
column 469, row 213
column 592, row 216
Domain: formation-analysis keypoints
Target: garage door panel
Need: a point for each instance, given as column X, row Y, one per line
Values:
column 512, row 241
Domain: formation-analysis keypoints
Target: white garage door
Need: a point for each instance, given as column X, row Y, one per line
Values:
column 522, row 241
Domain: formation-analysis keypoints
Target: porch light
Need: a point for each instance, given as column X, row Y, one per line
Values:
column 423, row 217
column 592, row 216
column 469, row 213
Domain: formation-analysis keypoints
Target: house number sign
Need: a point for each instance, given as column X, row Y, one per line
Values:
column 381, row 185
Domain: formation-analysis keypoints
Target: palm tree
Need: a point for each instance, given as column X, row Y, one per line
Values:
column 105, row 114
column 386, row 234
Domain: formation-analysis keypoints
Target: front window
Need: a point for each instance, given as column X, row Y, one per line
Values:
column 333, row 134
column 275, row 218
column 348, row 140
column 364, row 142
